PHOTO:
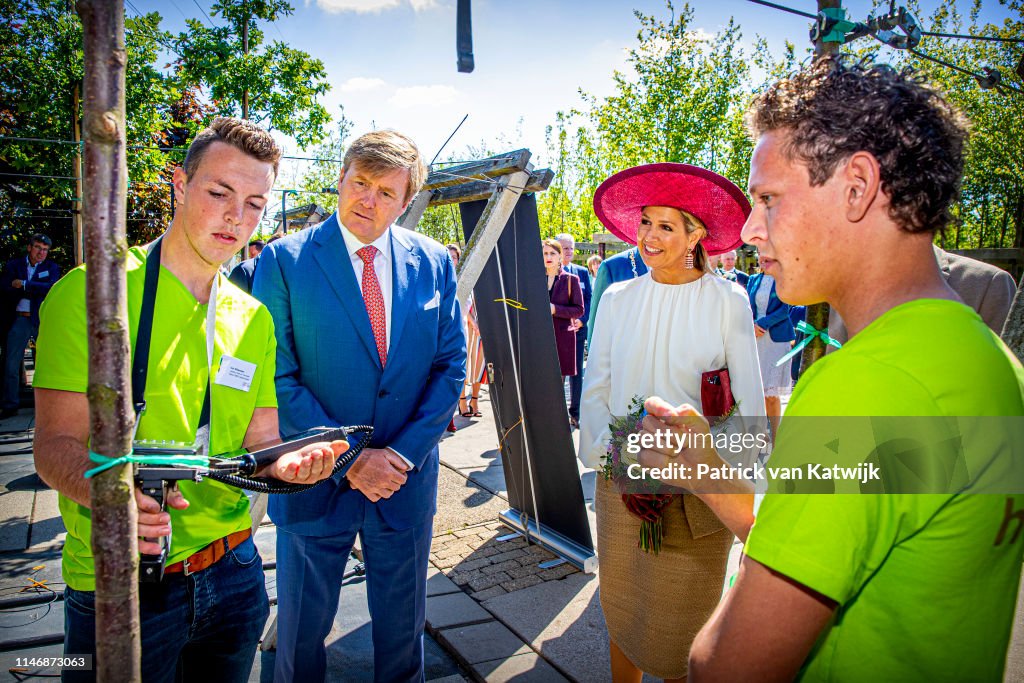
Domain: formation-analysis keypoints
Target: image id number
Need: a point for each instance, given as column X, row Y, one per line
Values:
column 70, row 663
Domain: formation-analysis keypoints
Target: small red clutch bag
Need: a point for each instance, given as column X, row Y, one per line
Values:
column 716, row 394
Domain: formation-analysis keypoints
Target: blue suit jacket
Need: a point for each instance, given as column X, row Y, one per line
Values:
column 242, row 274
column 742, row 278
column 776, row 319
column 329, row 373
column 584, row 276
column 614, row 269
column 35, row 290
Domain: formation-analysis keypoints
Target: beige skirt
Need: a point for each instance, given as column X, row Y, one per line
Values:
column 654, row 605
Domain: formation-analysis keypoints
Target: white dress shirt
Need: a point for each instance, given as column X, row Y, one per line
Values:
column 382, row 267
column 24, row 305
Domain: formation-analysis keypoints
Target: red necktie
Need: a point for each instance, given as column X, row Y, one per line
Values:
column 374, row 301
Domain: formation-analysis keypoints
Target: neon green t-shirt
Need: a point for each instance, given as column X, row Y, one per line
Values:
column 175, row 388
column 926, row 584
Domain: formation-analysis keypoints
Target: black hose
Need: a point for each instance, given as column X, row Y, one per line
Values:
column 263, row 485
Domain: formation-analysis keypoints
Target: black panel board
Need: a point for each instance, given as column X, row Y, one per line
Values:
column 526, row 337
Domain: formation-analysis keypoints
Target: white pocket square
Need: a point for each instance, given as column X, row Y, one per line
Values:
column 434, row 302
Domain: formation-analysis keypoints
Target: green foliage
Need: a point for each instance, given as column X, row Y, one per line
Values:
column 278, row 85
column 40, row 67
column 683, row 98
column 991, row 210
column 323, row 174
column 683, row 102
column 443, row 223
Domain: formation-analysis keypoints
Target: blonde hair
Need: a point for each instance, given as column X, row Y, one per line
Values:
column 692, row 225
column 383, row 151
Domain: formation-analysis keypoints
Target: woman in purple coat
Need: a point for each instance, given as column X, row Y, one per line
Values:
column 566, row 305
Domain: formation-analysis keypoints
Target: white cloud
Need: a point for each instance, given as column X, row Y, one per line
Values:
column 360, row 84
column 701, row 35
column 424, row 96
column 371, row 6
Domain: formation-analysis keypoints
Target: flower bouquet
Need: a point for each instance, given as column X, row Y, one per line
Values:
column 646, row 503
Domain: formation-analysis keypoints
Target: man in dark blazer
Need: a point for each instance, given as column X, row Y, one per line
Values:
column 576, row 381
column 242, row 274
column 369, row 331
column 26, row 282
column 623, row 266
column 729, row 271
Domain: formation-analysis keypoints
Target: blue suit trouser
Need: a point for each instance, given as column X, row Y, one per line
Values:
column 576, row 381
column 22, row 329
column 309, row 571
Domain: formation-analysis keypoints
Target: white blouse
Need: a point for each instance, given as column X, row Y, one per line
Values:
column 652, row 339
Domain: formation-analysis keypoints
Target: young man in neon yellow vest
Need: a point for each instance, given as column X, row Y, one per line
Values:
column 205, row 618
column 909, row 577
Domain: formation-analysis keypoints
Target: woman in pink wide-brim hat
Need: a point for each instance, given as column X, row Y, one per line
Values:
column 657, row 335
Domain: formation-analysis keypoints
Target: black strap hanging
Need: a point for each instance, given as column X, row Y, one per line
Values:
column 140, row 358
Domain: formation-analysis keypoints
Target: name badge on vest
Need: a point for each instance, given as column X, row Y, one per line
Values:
column 235, row 373
column 43, row 275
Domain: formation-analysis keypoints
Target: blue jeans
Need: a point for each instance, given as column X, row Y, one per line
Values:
column 22, row 329
column 203, row 627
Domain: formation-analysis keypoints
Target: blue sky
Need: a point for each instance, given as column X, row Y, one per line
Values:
column 392, row 62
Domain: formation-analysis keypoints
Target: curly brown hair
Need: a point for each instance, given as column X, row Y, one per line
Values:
column 838, row 106
column 240, row 134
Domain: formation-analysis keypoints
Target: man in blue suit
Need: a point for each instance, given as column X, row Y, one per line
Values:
column 369, row 331
column 26, row 282
column 623, row 266
column 576, row 381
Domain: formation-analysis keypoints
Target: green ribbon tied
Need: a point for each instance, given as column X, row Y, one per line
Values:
column 105, row 463
column 811, row 332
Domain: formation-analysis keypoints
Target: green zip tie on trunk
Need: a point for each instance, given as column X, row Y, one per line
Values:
column 105, row 463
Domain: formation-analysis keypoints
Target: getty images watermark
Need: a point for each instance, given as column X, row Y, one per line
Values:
column 734, row 443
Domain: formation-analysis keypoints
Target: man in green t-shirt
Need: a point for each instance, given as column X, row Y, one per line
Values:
column 205, row 618
column 917, row 582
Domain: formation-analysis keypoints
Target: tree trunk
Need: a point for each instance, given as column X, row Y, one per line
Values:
column 76, row 131
column 114, row 543
column 822, row 48
column 245, row 50
column 1018, row 219
column 817, row 314
column 1004, row 222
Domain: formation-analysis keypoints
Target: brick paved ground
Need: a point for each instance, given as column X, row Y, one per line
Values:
column 484, row 567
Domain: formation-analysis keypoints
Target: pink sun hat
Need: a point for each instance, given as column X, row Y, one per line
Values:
column 712, row 198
